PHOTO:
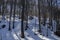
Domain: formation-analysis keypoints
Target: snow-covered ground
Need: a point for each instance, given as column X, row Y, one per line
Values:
column 30, row 34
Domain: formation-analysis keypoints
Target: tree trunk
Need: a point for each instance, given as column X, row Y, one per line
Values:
column 26, row 14
column 11, row 4
column 22, row 19
column 39, row 15
column 14, row 13
column 3, row 15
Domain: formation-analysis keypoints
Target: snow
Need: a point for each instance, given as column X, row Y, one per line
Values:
column 30, row 34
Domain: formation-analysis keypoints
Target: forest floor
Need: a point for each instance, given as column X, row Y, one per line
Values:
column 30, row 34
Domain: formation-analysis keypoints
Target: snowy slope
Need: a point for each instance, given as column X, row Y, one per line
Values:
column 30, row 34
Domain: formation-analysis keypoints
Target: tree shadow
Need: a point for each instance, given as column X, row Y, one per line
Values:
column 32, row 35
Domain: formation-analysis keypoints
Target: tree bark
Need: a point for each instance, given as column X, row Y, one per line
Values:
column 22, row 19
column 39, row 16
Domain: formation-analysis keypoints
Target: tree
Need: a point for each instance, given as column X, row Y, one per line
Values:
column 3, row 7
column 22, row 18
column 26, row 13
column 50, row 12
column 11, row 4
column 0, row 6
column 39, row 15
column 15, row 1
column 44, row 12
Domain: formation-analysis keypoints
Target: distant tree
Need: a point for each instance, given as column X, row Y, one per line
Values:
column 3, row 7
column 15, row 1
column 26, row 13
column 0, row 6
column 50, row 12
column 11, row 6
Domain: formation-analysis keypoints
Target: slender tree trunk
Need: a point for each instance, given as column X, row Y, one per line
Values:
column 14, row 13
column 57, row 16
column 11, row 4
column 20, row 9
column 0, row 9
column 44, row 12
column 3, row 16
column 51, row 15
column 39, row 15
column 0, row 12
column 49, row 10
column 26, row 14
column 22, row 19
column 57, row 20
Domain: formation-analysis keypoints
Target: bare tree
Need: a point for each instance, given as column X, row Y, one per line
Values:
column 22, row 19
column 15, row 1
column 11, row 6
column 26, row 13
column 3, row 7
column 39, row 15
